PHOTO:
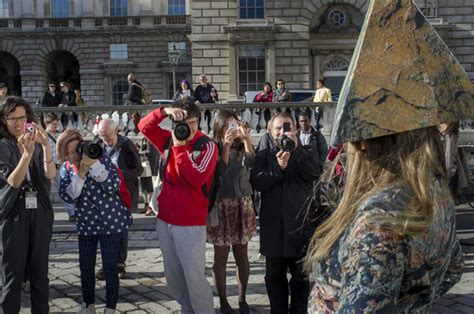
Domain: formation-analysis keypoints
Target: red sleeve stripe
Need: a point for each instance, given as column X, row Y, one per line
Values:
column 210, row 148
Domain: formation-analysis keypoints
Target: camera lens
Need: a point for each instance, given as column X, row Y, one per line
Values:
column 287, row 144
column 94, row 151
column 181, row 131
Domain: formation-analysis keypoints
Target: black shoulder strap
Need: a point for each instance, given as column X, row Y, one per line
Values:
column 51, row 137
column 197, row 149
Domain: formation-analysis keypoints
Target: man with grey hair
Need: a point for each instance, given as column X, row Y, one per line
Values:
column 124, row 155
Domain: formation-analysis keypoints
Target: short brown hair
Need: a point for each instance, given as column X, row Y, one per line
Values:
column 50, row 118
column 64, row 139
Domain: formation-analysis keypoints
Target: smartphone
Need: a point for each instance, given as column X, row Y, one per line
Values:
column 232, row 125
column 286, row 126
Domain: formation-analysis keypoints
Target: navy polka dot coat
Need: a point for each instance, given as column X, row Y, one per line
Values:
column 99, row 207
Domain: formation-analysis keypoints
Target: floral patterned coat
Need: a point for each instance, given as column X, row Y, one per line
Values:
column 373, row 270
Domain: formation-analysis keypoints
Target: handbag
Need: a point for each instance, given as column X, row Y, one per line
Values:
column 146, row 169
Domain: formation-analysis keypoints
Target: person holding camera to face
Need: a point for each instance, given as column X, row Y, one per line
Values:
column 189, row 161
column 90, row 180
column 284, row 173
column 236, row 223
column 26, row 211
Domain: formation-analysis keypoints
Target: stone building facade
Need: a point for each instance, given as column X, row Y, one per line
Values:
column 92, row 44
column 241, row 44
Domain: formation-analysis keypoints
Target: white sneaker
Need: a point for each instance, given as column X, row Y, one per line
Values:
column 87, row 309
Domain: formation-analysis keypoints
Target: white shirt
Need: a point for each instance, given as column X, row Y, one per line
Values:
column 305, row 137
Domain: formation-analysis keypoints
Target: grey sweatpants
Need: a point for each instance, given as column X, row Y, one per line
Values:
column 184, row 260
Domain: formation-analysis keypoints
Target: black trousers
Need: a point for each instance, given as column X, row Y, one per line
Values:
column 277, row 284
column 122, row 248
column 87, row 259
column 25, row 246
column 207, row 118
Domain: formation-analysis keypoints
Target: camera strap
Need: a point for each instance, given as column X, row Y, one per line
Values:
column 198, row 146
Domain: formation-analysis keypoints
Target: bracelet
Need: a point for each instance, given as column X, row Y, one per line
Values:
column 48, row 162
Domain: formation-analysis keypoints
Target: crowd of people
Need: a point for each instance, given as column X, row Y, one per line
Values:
column 388, row 244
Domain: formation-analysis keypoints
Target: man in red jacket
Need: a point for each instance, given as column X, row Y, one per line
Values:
column 183, row 205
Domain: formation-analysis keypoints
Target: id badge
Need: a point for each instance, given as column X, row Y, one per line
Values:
column 31, row 200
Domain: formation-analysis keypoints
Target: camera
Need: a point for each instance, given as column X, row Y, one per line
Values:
column 28, row 128
column 181, row 130
column 287, row 144
column 90, row 149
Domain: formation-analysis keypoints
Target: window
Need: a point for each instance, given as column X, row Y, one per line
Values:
column 60, row 8
column 251, row 9
column 251, row 68
column 118, row 51
column 335, row 70
column 176, row 7
column 180, row 46
column 119, row 88
column 118, row 7
column 428, row 7
column 3, row 8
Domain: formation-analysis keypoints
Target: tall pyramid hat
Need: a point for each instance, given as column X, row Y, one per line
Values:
column 402, row 77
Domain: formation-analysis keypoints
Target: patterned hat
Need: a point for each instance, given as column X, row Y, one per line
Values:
column 402, row 77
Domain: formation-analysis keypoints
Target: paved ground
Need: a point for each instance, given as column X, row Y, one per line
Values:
column 145, row 289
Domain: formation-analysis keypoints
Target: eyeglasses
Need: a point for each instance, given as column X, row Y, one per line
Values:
column 14, row 120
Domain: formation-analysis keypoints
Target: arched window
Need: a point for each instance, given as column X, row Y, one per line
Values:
column 334, row 71
column 119, row 88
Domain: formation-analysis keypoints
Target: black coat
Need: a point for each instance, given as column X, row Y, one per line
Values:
column 134, row 95
column 130, row 165
column 284, row 231
column 50, row 100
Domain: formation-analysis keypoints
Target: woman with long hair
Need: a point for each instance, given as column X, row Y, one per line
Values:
column 236, row 215
column 390, row 246
column 185, row 89
column 26, row 212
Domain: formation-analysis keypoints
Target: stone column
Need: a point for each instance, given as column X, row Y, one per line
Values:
column 87, row 8
column 233, row 74
column 28, row 9
column 146, row 7
column 271, row 76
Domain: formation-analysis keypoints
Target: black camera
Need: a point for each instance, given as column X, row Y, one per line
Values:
column 90, row 149
column 181, row 130
column 287, row 144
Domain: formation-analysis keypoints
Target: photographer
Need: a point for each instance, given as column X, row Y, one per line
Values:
column 284, row 174
column 90, row 180
column 236, row 223
column 187, row 174
column 26, row 212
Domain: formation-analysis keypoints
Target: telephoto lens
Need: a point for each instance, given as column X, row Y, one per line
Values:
column 287, row 144
column 91, row 150
column 181, row 130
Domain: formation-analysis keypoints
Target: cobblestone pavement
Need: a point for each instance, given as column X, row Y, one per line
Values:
column 145, row 291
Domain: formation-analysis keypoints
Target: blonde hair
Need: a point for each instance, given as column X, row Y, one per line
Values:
column 410, row 159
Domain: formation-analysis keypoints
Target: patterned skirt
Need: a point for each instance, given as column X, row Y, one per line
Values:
column 237, row 222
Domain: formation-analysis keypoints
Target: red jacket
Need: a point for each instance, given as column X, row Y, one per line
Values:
column 181, row 201
column 261, row 98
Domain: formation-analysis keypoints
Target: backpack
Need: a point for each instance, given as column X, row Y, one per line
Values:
column 124, row 193
column 210, row 192
column 147, row 97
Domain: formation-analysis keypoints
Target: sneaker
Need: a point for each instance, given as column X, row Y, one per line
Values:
column 100, row 275
column 72, row 218
column 122, row 273
column 87, row 309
